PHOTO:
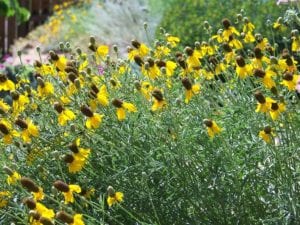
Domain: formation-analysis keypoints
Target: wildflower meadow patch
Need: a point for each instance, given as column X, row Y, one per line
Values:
column 168, row 134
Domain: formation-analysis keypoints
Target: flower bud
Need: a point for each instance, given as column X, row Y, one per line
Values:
column 61, row 186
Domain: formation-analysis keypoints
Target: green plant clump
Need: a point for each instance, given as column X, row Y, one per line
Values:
column 186, row 19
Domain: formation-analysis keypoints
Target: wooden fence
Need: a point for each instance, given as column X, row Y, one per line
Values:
column 10, row 30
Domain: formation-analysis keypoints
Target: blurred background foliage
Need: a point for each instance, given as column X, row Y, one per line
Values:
column 12, row 8
column 185, row 18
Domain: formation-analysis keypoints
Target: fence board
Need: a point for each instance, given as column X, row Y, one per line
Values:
column 2, row 34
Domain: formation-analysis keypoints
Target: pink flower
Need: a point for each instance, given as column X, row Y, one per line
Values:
column 298, row 86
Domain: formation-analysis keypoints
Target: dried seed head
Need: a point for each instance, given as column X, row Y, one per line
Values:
column 226, row 23
column 94, row 88
column 157, row 95
column 110, row 191
column 189, row 51
column 8, row 170
column 259, row 73
column 227, row 47
column 274, row 106
column 259, row 97
column 45, row 221
column 186, row 83
column 69, row 158
column 240, row 61
column 73, row 147
column 86, row 111
column 135, row 44
column 268, row 130
column 117, row 103
column 58, row 107
column 138, row 60
column 182, row 62
column 30, row 203
column 61, row 186
column 4, row 130
column 53, row 56
column 92, row 47
column 288, row 76
column 257, row 52
column 65, row 217
column 160, row 63
column 21, row 123
column 137, row 85
column 29, row 185
column 208, row 122
column 34, row 214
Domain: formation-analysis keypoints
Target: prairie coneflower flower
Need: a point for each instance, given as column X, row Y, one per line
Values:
column 266, row 77
column 263, row 103
column 296, row 41
column 172, row 40
column 67, row 190
column 59, row 62
column 6, row 84
column 28, row 129
column 212, row 128
column 102, row 94
column 19, row 101
column 259, row 59
column 122, row 107
column 37, row 191
column 68, row 219
column 40, row 208
column 248, row 26
column 276, row 109
column 228, row 30
column 290, row 81
column 192, row 60
column 159, row 101
column 113, row 196
column 65, row 115
column 190, row 89
column 44, row 88
column 102, row 51
column 4, row 198
column 150, row 69
column 13, row 176
column 140, row 49
column 243, row 70
column 4, row 107
column 77, row 160
column 93, row 119
column 266, row 134
column 7, row 131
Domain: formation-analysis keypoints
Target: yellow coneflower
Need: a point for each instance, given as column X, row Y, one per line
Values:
column 44, row 88
column 259, row 59
column 6, row 84
column 122, row 107
column 36, row 191
column 102, row 94
column 212, row 127
column 4, row 107
column 4, row 198
column 102, row 51
column 235, row 43
column 13, row 176
column 40, row 208
column 28, row 129
column 262, row 42
column 266, row 134
column 228, row 30
column 68, row 219
column 78, row 159
column 19, row 102
column 145, row 88
column 169, row 66
column 248, row 26
column 172, row 40
column 276, row 109
column 67, row 190
column 290, row 81
column 113, row 196
column 159, row 101
column 192, row 60
column 190, row 89
column 141, row 49
column 161, row 50
column 150, row 69
column 65, row 115
column 263, row 103
column 290, row 62
column 59, row 62
column 243, row 70
column 7, row 131
column 266, row 77
column 93, row 119
column 229, row 54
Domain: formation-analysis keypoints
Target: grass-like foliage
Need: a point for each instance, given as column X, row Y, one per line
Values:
column 204, row 135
